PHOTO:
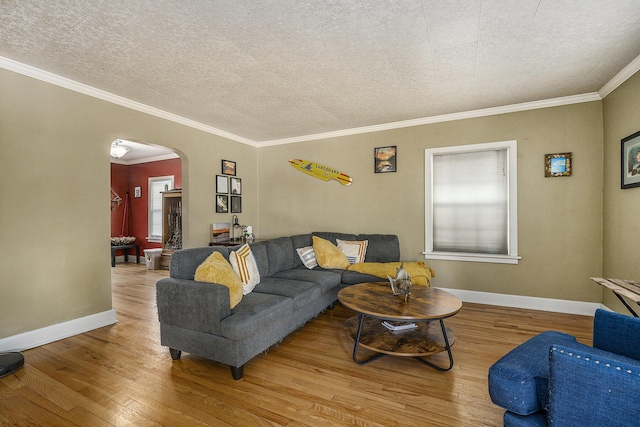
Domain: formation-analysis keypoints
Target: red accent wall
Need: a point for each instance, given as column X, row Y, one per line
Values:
column 125, row 178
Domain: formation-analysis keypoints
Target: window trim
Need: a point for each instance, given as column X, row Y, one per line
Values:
column 512, row 165
column 150, row 236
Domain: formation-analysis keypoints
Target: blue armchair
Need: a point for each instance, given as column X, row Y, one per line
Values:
column 554, row 380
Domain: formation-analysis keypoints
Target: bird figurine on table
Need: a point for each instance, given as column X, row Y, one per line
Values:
column 401, row 285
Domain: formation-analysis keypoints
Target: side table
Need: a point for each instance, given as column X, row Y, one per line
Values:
column 426, row 306
column 622, row 288
column 126, row 248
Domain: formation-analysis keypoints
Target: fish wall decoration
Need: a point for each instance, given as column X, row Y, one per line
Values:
column 320, row 171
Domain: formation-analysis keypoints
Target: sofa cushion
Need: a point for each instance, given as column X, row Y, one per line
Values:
column 617, row 333
column 589, row 387
column 244, row 263
column 185, row 261
column 259, row 250
column 254, row 313
column 354, row 277
column 281, row 254
column 355, row 250
column 333, row 237
column 328, row 255
column 325, row 279
column 300, row 241
column 538, row 419
column 302, row 293
column 307, row 256
column 381, row 248
column 519, row 381
column 216, row 269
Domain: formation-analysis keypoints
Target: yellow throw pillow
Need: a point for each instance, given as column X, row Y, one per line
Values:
column 328, row 255
column 216, row 269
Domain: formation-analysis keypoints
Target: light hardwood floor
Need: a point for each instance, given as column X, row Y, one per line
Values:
column 120, row 375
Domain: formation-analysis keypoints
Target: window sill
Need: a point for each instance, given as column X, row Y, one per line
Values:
column 456, row 256
column 154, row 239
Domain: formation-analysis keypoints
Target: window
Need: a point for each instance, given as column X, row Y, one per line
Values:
column 471, row 203
column 156, row 186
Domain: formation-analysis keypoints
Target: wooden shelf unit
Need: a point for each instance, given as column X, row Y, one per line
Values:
column 171, row 225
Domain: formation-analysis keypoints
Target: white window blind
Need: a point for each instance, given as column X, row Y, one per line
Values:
column 470, row 203
column 156, row 187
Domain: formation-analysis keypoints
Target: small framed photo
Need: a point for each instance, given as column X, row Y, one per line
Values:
column 236, row 186
column 236, row 204
column 228, row 167
column 222, row 184
column 384, row 159
column 222, row 203
column 558, row 164
column 630, row 161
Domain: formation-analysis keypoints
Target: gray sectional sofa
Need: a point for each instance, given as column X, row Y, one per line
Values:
column 196, row 317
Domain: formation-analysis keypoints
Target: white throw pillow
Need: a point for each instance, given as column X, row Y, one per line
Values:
column 355, row 250
column 244, row 263
column 307, row 256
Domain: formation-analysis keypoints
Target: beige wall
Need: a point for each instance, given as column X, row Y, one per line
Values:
column 54, row 189
column 621, row 207
column 560, row 219
column 54, row 184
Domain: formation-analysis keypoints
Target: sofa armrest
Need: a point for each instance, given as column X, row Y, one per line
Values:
column 589, row 387
column 192, row 305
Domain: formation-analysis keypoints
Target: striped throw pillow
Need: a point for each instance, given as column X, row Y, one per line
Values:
column 355, row 250
column 244, row 263
column 307, row 256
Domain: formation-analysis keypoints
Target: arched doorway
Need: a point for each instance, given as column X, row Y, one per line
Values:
column 138, row 177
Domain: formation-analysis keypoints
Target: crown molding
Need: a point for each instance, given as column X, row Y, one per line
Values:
column 45, row 76
column 624, row 75
column 525, row 106
column 57, row 80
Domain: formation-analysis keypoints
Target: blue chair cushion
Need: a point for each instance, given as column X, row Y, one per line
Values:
column 617, row 333
column 537, row 419
column 519, row 381
column 589, row 387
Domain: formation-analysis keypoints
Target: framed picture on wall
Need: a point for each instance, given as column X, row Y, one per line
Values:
column 630, row 161
column 558, row 164
column 222, row 203
column 228, row 167
column 236, row 186
column 222, row 184
column 384, row 159
column 236, row 204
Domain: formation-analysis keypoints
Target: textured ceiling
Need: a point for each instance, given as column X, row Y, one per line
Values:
column 270, row 70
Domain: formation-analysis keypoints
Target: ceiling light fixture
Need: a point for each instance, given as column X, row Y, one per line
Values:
column 117, row 150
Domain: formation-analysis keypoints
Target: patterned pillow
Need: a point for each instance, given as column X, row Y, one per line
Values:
column 244, row 263
column 307, row 256
column 355, row 250
column 328, row 255
column 216, row 269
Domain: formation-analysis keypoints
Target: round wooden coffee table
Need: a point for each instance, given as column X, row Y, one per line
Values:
column 427, row 307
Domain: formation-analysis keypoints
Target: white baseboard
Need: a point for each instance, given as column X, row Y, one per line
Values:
column 530, row 303
column 132, row 258
column 73, row 327
column 57, row 332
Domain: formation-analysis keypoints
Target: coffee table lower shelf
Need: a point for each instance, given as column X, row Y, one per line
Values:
column 429, row 338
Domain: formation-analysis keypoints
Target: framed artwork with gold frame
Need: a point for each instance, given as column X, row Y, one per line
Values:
column 558, row 164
